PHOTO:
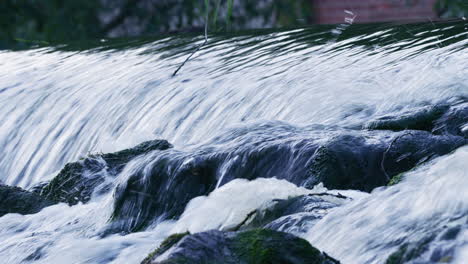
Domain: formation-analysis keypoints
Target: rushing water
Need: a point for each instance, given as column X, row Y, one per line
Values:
column 60, row 103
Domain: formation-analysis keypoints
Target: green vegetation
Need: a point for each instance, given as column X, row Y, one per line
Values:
column 165, row 245
column 29, row 22
column 259, row 246
column 452, row 8
column 396, row 179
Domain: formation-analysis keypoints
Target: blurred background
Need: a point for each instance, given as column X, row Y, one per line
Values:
column 23, row 21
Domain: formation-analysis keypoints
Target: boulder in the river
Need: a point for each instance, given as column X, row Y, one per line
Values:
column 19, row 201
column 258, row 246
column 454, row 121
column 422, row 118
column 439, row 119
column 161, row 190
column 77, row 181
column 293, row 215
column 366, row 160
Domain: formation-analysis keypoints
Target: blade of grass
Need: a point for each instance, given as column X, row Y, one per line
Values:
column 229, row 14
column 215, row 15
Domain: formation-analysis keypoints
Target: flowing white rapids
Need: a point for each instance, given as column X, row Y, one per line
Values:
column 57, row 104
column 62, row 234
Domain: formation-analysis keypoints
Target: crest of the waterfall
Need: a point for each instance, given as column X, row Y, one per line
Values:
column 58, row 104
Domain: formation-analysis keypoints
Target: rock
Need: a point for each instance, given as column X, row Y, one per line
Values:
column 422, row 118
column 346, row 159
column 364, row 161
column 294, row 215
column 248, row 247
column 162, row 191
column 165, row 245
column 439, row 119
column 453, row 122
column 19, row 201
column 77, row 181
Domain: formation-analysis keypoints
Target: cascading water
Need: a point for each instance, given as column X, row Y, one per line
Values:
column 255, row 106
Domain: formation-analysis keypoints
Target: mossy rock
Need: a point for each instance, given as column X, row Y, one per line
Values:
column 291, row 213
column 262, row 246
column 77, row 181
column 258, row 246
column 396, row 179
column 165, row 245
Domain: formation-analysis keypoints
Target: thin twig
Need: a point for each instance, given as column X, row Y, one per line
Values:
column 386, row 151
column 198, row 48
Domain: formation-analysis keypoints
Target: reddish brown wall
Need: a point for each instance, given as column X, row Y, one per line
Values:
column 332, row 11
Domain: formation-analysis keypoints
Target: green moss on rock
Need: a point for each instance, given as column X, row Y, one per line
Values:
column 165, row 245
column 262, row 246
column 396, row 179
column 257, row 246
column 77, row 180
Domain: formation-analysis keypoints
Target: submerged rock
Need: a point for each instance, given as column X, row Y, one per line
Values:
column 77, row 180
column 415, row 119
column 294, row 215
column 364, row 161
column 248, row 247
column 439, row 119
column 454, row 121
column 161, row 190
column 19, row 201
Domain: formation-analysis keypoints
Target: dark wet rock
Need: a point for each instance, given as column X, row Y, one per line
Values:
column 118, row 159
column 410, row 148
column 254, row 246
column 363, row 161
column 451, row 233
column 162, row 191
column 77, row 181
column 454, row 121
column 293, row 215
column 19, row 201
column 438, row 119
column 345, row 159
column 422, row 118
